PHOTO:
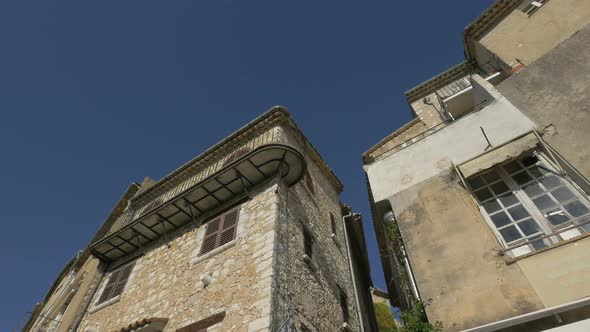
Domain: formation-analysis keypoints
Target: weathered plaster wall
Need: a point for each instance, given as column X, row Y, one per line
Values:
column 555, row 93
column 560, row 275
column 525, row 38
column 452, row 252
column 165, row 282
column 310, row 289
column 455, row 143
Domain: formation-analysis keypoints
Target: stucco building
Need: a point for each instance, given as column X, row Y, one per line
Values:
column 248, row 236
column 480, row 203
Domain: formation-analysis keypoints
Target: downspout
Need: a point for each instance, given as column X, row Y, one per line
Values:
column 389, row 217
column 356, row 298
column 87, row 302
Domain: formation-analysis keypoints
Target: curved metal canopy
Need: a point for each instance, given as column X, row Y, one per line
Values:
column 225, row 186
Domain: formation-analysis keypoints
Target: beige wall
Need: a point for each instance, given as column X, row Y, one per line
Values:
column 519, row 36
column 452, row 252
column 560, row 275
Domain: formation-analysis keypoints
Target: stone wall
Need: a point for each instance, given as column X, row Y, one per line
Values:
column 166, row 281
column 309, row 290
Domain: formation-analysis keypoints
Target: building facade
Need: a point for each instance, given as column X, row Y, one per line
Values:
column 480, row 203
column 248, row 236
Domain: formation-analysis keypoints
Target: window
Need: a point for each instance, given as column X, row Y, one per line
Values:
column 525, row 200
column 204, row 324
column 343, row 298
column 220, row 230
column 117, row 281
column 307, row 242
column 530, row 7
column 333, row 223
column 309, row 182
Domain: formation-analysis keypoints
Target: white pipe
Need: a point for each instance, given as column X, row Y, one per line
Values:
column 410, row 274
column 356, row 298
column 531, row 316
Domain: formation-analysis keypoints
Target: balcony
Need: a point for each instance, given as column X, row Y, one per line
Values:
column 457, row 98
column 219, row 177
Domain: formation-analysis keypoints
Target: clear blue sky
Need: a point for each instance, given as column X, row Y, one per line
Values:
column 97, row 94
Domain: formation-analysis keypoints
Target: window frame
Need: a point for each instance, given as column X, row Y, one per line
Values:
column 530, row 7
column 118, row 283
column 549, row 234
column 216, row 229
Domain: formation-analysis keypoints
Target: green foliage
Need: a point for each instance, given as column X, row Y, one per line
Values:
column 415, row 319
column 385, row 319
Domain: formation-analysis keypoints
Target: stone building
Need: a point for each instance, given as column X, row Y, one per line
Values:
column 248, row 236
column 480, row 203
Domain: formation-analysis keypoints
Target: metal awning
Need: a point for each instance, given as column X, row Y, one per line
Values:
column 224, row 186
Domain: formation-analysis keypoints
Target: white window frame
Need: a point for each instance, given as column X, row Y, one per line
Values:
column 530, row 7
column 554, row 233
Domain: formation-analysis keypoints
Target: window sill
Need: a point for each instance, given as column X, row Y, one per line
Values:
column 513, row 260
column 213, row 252
column 105, row 304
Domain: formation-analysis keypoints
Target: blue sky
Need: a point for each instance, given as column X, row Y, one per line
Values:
column 96, row 95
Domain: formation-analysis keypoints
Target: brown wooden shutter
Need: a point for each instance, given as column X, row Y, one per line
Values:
column 221, row 230
column 117, row 281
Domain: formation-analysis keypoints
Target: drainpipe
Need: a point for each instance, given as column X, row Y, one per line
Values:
column 389, row 217
column 350, row 216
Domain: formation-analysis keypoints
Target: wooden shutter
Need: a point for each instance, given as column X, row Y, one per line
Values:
column 117, row 281
column 333, row 223
column 307, row 242
column 221, row 230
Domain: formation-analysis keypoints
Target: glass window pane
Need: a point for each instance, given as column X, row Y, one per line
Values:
column 576, row 208
column 582, row 220
column 512, row 167
column 551, row 181
column 544, row 202
column 476, row 182
column 522, row 178
column 483, row 194
column 533, row 189
column 510, row 234
column 491, row 206
column 500, row 219
column 518, row 212
column 563, row 194
column 529, row 227
column 535, row 172
column 491, row 176
column 508, row 199
column 499, row 187
column 557, row 216
column 540, row 244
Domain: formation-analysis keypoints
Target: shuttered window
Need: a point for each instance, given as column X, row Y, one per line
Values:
column 220, row 230
column 117, row 281
column 309, row 183
column 333, row 223
column 308, row 242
